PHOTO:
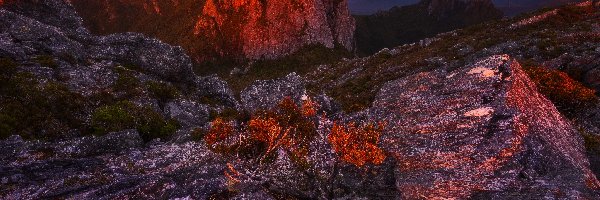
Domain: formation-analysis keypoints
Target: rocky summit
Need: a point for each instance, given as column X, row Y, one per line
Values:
column 507, row 109
column 233, row 29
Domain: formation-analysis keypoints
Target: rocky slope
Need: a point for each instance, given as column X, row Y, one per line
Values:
column 407, row 24
column 249, row 29
column 469, row 123
column 46, row 51
column 486, row 133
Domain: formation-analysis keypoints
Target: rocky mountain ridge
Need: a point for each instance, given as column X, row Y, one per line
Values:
column 445, row 8
column 407, row 24
column 248, row 29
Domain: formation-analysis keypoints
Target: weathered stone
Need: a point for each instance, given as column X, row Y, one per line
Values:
column 151, row 56
column 112, row 143
column 269, row 93
column 187, row 113
column 481, row 129
column 212, row 87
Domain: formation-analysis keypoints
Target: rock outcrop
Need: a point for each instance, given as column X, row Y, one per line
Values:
column 47, row 40
column 53, row 28
column 57, row 31
column 247, row 29
column 265, row 94
column 41, row 170
column 481, row 131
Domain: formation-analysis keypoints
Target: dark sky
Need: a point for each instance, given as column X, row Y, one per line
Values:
column 372, row 6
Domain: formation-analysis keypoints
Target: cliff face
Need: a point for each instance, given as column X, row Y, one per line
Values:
column 251, row 29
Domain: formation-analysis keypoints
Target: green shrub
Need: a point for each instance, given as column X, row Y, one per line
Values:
column 8, row 69
column 126, row 115
column 132, row 67
column 153, row 125
column 209, row 100
column 127, row 83
column 230, row 114
column 303, row 61
column 592, row 143
column 7, row 125
column 162, row 91
column 113, row 118
column 7, row 66
column 37, row 111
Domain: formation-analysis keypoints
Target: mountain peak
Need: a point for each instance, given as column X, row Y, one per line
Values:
column 237, row 29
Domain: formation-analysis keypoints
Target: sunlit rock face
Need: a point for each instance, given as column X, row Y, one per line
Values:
column 481, row 131
column 237, row 29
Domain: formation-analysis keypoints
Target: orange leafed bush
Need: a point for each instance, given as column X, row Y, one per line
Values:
column 219, row 131
column 291, row 128
column 288, row 126
column 268, row 131
column 231, row 174
column 357, row 145
column 309, row 108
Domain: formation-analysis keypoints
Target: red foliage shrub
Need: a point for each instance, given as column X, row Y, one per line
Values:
column 288, row 126
column 291, row 128
column 268, row 131
column 569, row 95
column 219, row 131
column 357, row 145
column 309, row 108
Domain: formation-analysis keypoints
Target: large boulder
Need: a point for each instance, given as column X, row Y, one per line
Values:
column 55, row 13
column 481, row 131
column 112, row 143
column 187, row 113
column 213, row 88
column 151, row 56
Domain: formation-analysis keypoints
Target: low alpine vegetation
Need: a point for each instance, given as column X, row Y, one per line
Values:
column 33, row 110
column 569, row 95
column 288, row 126
column 126, row 115
column 357, row 144
column 291, row 127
